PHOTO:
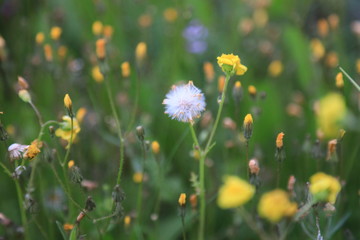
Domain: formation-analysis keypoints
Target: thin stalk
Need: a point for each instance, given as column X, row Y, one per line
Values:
column 37, row 113
column 6, row 170
column 278, row 174
column 64, row 162
column 117, row 120
column 350, row 79
column 22, row 210
column 183, row 228
column 253, row 225
column 140, row 189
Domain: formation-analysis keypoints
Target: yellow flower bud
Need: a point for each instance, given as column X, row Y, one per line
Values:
column 193, row 200
column 67, row 101
column 97, row 75
column 237, row 84
column 252, row 90
column 145, row 20
column 182, row 199
column 71, row 163
column 127, row 221
column 231, row 64
column 48, row 52
column 55, row 33
column 248, row 126
column 323, row 27
column 332, row 59
column 68, row 226
column 339, row 80
column 125, row 69
column 324, row 187
column 62, row 52
column 97, row 28
column 279, row 140
column 39, row 38
column 101, row 49
column 275, row 68
column 221, row 84
column 108, row 31
column 254, row 167
column 155, row 147
column 138, row 177
column 140, row 52
column 24, row 95
column 317, row 48
column 170, row 15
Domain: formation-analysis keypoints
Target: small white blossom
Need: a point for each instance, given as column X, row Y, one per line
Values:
column 16, row 151
column 184, row 102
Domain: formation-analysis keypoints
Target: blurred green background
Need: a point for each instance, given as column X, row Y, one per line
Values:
column 181, row 36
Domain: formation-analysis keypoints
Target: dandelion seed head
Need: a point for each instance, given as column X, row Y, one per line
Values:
column 184, row 102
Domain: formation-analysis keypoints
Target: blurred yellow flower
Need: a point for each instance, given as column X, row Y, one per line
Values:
column 339, row 80
column 275, row 205
column 209, row 71
column 260, row 17
column 170, row 14
column 62, row 51
column 275, row 68
column 71, row 163
column 279, row 140
column 64, row 131
column 323, row 27
column 97, row 75
column 252, row 90
column 39, row 38
column 182, row 199
column 101, row 48
column 324, row 187
column 330, row 113
column 127, row 221
column 125, row 69
column 235, row 192
column 108, row 31
column 97, row 28
column 230, row 63
column 48, row 52
column 138, row 177
column 140, row 52
column 155, row 147
column 317, row 48
column 33, row 150
column 68, row 226
column 55, row 33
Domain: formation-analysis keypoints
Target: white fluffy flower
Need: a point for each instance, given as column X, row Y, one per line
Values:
column 16, row 151
column 184, row 102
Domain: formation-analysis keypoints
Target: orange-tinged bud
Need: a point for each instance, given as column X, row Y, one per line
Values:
column 108, row 31
column 170, row 14
column 279, row 140
column 252, row 90
column 331, row 148
column 140, row 52
column 254, row 167
column 182, row 199
column 333, row 21
column 237, row 84
column 39, row 38
column 193, row 200
column 127, row 221
column 48, row 52
column 248, row 126
column 24, row 95
column 80, row 216
column 71, row 163
column 67, row 101
column 101, row 48
column 97, row 75
column 145, row 20
column 138, row 177
column 323, row 27
column 221, row 83
column 339, row 80
column 125, row 69
column 68, row 226
column 332, row 59
column 22, row 83
column 55, row 33
column 209, row 71
column 62, row 51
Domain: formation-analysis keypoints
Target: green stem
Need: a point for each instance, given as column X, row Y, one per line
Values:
column 117, row 120
column 36, row 112
column 351, row 80
column 64, row 162
column 6, row 170
column 140, row 190
column 22, row 210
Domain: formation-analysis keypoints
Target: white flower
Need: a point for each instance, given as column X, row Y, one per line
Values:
column 16, row 151
column 184, row 102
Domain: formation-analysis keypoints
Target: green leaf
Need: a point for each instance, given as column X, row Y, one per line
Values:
column 73, row 234
column 61, row 229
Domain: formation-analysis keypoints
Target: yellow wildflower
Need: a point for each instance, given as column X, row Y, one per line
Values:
column 48, row 52
column 39, row 38
column 275, row 68
column 80, row 114
column 67, row 101
column 252, row 90
column 170, row 14
column 182, row 199
column 332, row 59
column 275, row 205
column 55, row 33
column 317, row 48
column 145, row 20
column 68, row 226
column 97, row 75
column 323, row 27
column 62, row 51
column 125, row 69
column 330, row 113
column 140, row 52
column 234, row 193
column 127, row 221
column 324, row 187
column 138, row 177
column 155, row 147
column 97, row 28
column 101, row 48
column 71, row 163
column 64, row 131
column 108, row 31
column 209, row 71
column 33, row 150
column 339, row 80
column 231, row 64
column 248, row 126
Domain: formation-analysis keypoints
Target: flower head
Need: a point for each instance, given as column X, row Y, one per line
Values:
column 16, row 151
column 55, row 33
column 235, row 192
column 33, row 150
column 230, row 64
column 279, row 140
column 248, row 126
column 275, row 205
column 64, row 131
column 184, row 102
column 324, row 187
column 182, row 199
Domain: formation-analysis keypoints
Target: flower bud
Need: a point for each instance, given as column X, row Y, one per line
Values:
column 39, row 38
column 25, row 95
column 71, row 163
column 182, row 199
column 155, row 147
column 221, row 84
column 254, row 167
column 80, row 217
column 97, row 28
column 55, row 33
column 140, row 52
column 248, row 126
column 127, row 221
column 22, row 83
column 48, row 53
column 118, row 194
column 101, row 49
column 97, row 75
column 209, row 72
column 68, row 226
column 108, row 31
column 138, row 177
column 193, row 201
column 68, row 104
column 252, row 91
column 279, row 140
column 125, row 69
column 331, row 150
column 90, row 204
column 339, row 81
column 140, row 133
column 290, row 186
column 237, row 92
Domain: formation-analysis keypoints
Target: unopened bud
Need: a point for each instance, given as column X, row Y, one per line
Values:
column 248, row 126
column 108, row 31
column 25, row 95
column 140, row 52
column 339, row 80
column 331, row 150
column 125, row 69
column 209, row 72
column 22, row 83
column 140, row 133
column 68, row 104
column 55, row 33
column 237, row 92
column 71, row 163
column 182, row 199
column 48, row 52
column 252, row 91
column 90, row 204
column 254, row 167
column 39, row 38
column 228, row 123
column 127, row 221
column 291, row 184
column 279, row 140
column 155, row 147
column 80, row 217
column 101, row 49
column 97, row 28
column 193, row 201
column 118, row 194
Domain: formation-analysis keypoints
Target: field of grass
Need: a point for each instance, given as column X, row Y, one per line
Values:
column 87, row 151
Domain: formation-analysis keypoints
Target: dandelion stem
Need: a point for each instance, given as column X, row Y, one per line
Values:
column 22, row 210
column 37, row 113
column 117, row 120
column 351, row 80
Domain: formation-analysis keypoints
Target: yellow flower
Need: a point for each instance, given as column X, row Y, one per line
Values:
column 209, row 71
column 68, row 226
column 64, row 131
column 279, row 140
column 71, row 163
column 231, row 64
column 108, row 31
column 170, row 14
column 125, row 69
column 55, row 33
column 317, row 48
column 330, row 114
column 234, row 193
column 252, row 90
column 140, row 52
column 324, row 187
column 97, row 27
column 339, row 80
column 101, row 48
column 127, row 221
column 182, row 199
column 248, row 126
column 33, row 150
column 67, row 101
column 97, row 75
column 48, row 52
column 39, row 38
column 155, row 147
column 275, row 205
column 138, row 177
column 275, row 68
